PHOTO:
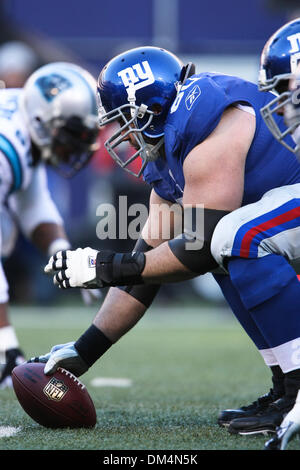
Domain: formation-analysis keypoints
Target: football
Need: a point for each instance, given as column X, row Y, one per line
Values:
column 54, row 401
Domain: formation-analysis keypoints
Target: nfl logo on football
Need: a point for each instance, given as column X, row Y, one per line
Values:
column 55, row 389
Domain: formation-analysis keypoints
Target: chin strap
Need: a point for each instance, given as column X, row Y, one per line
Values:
column 131, row 98
column 187, row 71
column 151, row 152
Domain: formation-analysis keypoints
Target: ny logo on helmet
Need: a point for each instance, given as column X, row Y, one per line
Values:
column 295, row 50
column 295, row 42
column 139, row 75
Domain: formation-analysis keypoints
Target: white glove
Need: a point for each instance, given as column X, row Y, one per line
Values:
column 90, row 296
column 288, row 430
column 73, row 268
column 65, row 356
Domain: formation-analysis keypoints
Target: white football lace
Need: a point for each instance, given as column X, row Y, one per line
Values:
column 68, row 373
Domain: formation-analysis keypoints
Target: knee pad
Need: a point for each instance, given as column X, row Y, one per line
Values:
column 258, row 280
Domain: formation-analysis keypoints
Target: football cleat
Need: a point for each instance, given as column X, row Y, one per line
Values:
column 258, row 406
column 14, row 357
column 263, row 422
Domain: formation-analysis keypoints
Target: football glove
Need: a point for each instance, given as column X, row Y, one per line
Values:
column 91, row 269
column 289, row 428
column 65, row 356
column 74, row 268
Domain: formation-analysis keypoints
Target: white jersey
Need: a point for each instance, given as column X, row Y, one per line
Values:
column 23, row 187
column 15, row 146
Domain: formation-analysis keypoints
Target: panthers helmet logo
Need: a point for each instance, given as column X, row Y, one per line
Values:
column 52, row 85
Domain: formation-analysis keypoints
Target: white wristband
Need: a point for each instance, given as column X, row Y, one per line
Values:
column 58, row 245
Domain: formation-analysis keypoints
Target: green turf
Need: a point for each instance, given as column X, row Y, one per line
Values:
column 186, row 364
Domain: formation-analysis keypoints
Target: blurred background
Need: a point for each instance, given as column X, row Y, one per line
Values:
column 217, row 36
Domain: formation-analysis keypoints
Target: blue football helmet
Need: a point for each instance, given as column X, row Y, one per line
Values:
column 279, row 60
column 136, row 90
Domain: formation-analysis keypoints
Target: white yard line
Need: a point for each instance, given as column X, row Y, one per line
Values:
column 8, row 431
column 110, row 382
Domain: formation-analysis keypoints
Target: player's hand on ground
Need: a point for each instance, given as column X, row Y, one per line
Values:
column 284, row 434
column 288, row 430
column 73, row 268
column 65, row 356
column 90, row 296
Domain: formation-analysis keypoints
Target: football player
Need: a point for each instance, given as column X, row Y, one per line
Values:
column 280, row 73
column 279, row 60
column 51, row 120
column 204, row 146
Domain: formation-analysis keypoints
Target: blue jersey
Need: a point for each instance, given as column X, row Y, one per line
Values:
column 195, row 113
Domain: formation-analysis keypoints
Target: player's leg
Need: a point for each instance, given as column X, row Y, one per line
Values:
column 273, row 302
column 10, row 353
column 266, row 284
column 277, row 391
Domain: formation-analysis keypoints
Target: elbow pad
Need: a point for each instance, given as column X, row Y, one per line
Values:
column 119, row 269
column 192, row 247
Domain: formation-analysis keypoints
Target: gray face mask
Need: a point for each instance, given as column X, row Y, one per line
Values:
column 71, row 146
column 126, row 117
column 283, row 103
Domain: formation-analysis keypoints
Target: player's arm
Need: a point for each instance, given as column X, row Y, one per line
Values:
column 48, row 237
column 164, row 220
column 214, row 173
column 41, row 222
column 38, row 216
column 122, row 308
column 214, row 179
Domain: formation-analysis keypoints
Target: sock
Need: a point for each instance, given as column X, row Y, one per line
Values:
column 278, row 378
column 292, row 384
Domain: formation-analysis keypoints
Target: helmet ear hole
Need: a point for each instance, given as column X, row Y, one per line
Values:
column 156, row 108
column 282, row 86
